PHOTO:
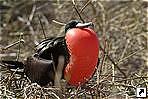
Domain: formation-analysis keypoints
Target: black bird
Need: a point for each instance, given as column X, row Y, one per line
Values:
column 50, row 59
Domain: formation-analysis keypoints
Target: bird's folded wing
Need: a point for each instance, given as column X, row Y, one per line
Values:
column 47, row 47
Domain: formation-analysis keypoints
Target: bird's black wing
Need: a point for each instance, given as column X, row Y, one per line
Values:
column 43, row 44
column 49, row 48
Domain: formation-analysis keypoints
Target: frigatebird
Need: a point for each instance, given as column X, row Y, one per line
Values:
column 53, row 57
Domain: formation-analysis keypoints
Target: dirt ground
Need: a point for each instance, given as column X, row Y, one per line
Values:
column 121, row 26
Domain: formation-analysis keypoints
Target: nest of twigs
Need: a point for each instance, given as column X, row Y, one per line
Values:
column 122, row 31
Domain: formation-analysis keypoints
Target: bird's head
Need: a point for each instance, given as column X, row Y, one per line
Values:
column 77, row 24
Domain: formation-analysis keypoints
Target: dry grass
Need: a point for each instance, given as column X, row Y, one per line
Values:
column 121, row 27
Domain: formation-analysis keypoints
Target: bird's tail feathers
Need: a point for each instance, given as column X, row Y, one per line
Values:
column 13, row 64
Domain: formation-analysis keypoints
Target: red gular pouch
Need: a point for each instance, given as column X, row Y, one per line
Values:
column 83, row 46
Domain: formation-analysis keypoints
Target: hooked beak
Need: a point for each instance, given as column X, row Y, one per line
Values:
column 83, row 25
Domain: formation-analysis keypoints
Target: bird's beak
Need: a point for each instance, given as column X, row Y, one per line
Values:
column 83, row 25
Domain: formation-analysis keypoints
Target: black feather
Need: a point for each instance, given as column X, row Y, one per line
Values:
column 13, row 64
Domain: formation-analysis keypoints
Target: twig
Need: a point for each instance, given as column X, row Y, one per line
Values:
column 115, row 64
column 131, row 79
column 42, row 27
column 129, row 56
column 13, row 44
column 100, row 69
column 85, row 5
column 32, row 13
column 12, row 75
column 104, row 36
column 57, row 22
column 18, row 54
column 124, row 50
column 120, row 84
column 74, row 5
